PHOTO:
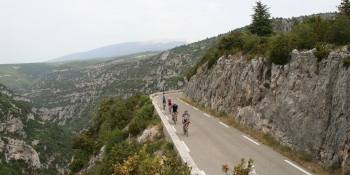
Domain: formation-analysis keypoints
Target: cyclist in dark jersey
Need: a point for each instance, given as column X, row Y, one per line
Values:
column 174, row 109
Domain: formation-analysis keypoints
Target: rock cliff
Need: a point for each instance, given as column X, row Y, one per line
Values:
column 303, row 104
column 18, row 149
column 27, row 143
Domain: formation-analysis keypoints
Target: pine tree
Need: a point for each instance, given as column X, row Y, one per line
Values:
column 261, row 25
column 344, row 7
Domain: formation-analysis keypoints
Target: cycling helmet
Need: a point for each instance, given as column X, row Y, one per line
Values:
column 186, row 111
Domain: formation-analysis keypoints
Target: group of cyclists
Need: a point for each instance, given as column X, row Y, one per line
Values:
column 173, row 109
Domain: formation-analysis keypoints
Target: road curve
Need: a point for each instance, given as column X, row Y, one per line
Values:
column 212, row 143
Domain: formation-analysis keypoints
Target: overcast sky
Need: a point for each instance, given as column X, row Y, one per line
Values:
column 38, row 30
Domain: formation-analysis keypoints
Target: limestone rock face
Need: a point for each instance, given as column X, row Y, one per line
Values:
column 304, row 104
column 17, row 149
column 13, row 125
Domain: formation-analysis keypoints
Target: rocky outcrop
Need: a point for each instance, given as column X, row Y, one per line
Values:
column 304, row 104
column 13, row 125
column 18, row 149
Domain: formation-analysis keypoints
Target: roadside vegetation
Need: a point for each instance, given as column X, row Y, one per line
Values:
column 116, row 125
column 259, row 40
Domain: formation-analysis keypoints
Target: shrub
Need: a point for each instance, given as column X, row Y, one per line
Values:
column 346, row 61
column 338, row 31
column 145, row 163
column 321, row 51
column 267, row 85
column 240, row 169
column 230, row 42
column 305, row 156
column 304, row 36
column 250, row 43
column 286, row 149
column 280, row 53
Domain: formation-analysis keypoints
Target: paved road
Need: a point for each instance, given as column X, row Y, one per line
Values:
column 212, row 144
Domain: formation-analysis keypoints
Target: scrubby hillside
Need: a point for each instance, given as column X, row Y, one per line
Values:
column 66, row 96
column 28, row 144
column 125, row 137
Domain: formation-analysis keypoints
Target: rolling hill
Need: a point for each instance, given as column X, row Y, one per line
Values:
column 120, row 49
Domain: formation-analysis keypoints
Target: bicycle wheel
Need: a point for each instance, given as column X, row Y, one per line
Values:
column 186, row 130
column 174, row 119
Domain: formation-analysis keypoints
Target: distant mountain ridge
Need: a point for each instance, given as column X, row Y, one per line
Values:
column 121, row 49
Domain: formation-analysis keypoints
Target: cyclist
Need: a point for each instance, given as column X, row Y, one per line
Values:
column 185, row 119
column 164, row 102
column 164, row 99
column 174, row 108
column 169, row 101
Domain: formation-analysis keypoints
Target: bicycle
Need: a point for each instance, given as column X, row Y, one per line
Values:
column 186, row 128
column 164, row 104
column 169, row 109
column 174, row 117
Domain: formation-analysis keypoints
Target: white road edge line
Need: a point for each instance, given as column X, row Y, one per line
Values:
column 173, row 128
column 251, row 140
column 223, row 124
column 163, row 111
column 202, row 173
column 195, row 108
column 167, row 117
column 188, row 150
column 187, row 104
column 206, row 114
column 298, row 167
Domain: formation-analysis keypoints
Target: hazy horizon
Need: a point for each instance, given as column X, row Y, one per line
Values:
column 38, row 31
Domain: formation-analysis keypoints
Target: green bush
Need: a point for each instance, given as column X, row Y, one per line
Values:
column 304, row 155
column 230, row 43
column 338, row 30
column 242, row 168
column 280, row 53
column 267, row 85
column 304, row 36
column 250, row 43
column 346, row 61
column 80, row 158
column 321, row 51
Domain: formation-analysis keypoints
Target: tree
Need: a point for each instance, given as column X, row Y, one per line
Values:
column 261, row 25
column 344, row 7
column 280, row 52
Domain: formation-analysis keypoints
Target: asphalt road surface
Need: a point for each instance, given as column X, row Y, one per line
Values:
column 212, row 143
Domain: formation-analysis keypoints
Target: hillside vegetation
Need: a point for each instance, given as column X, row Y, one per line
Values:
column 259, row 39
column 19, row 77
column 68, row 96
column 116, row 126
column 29, row 145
